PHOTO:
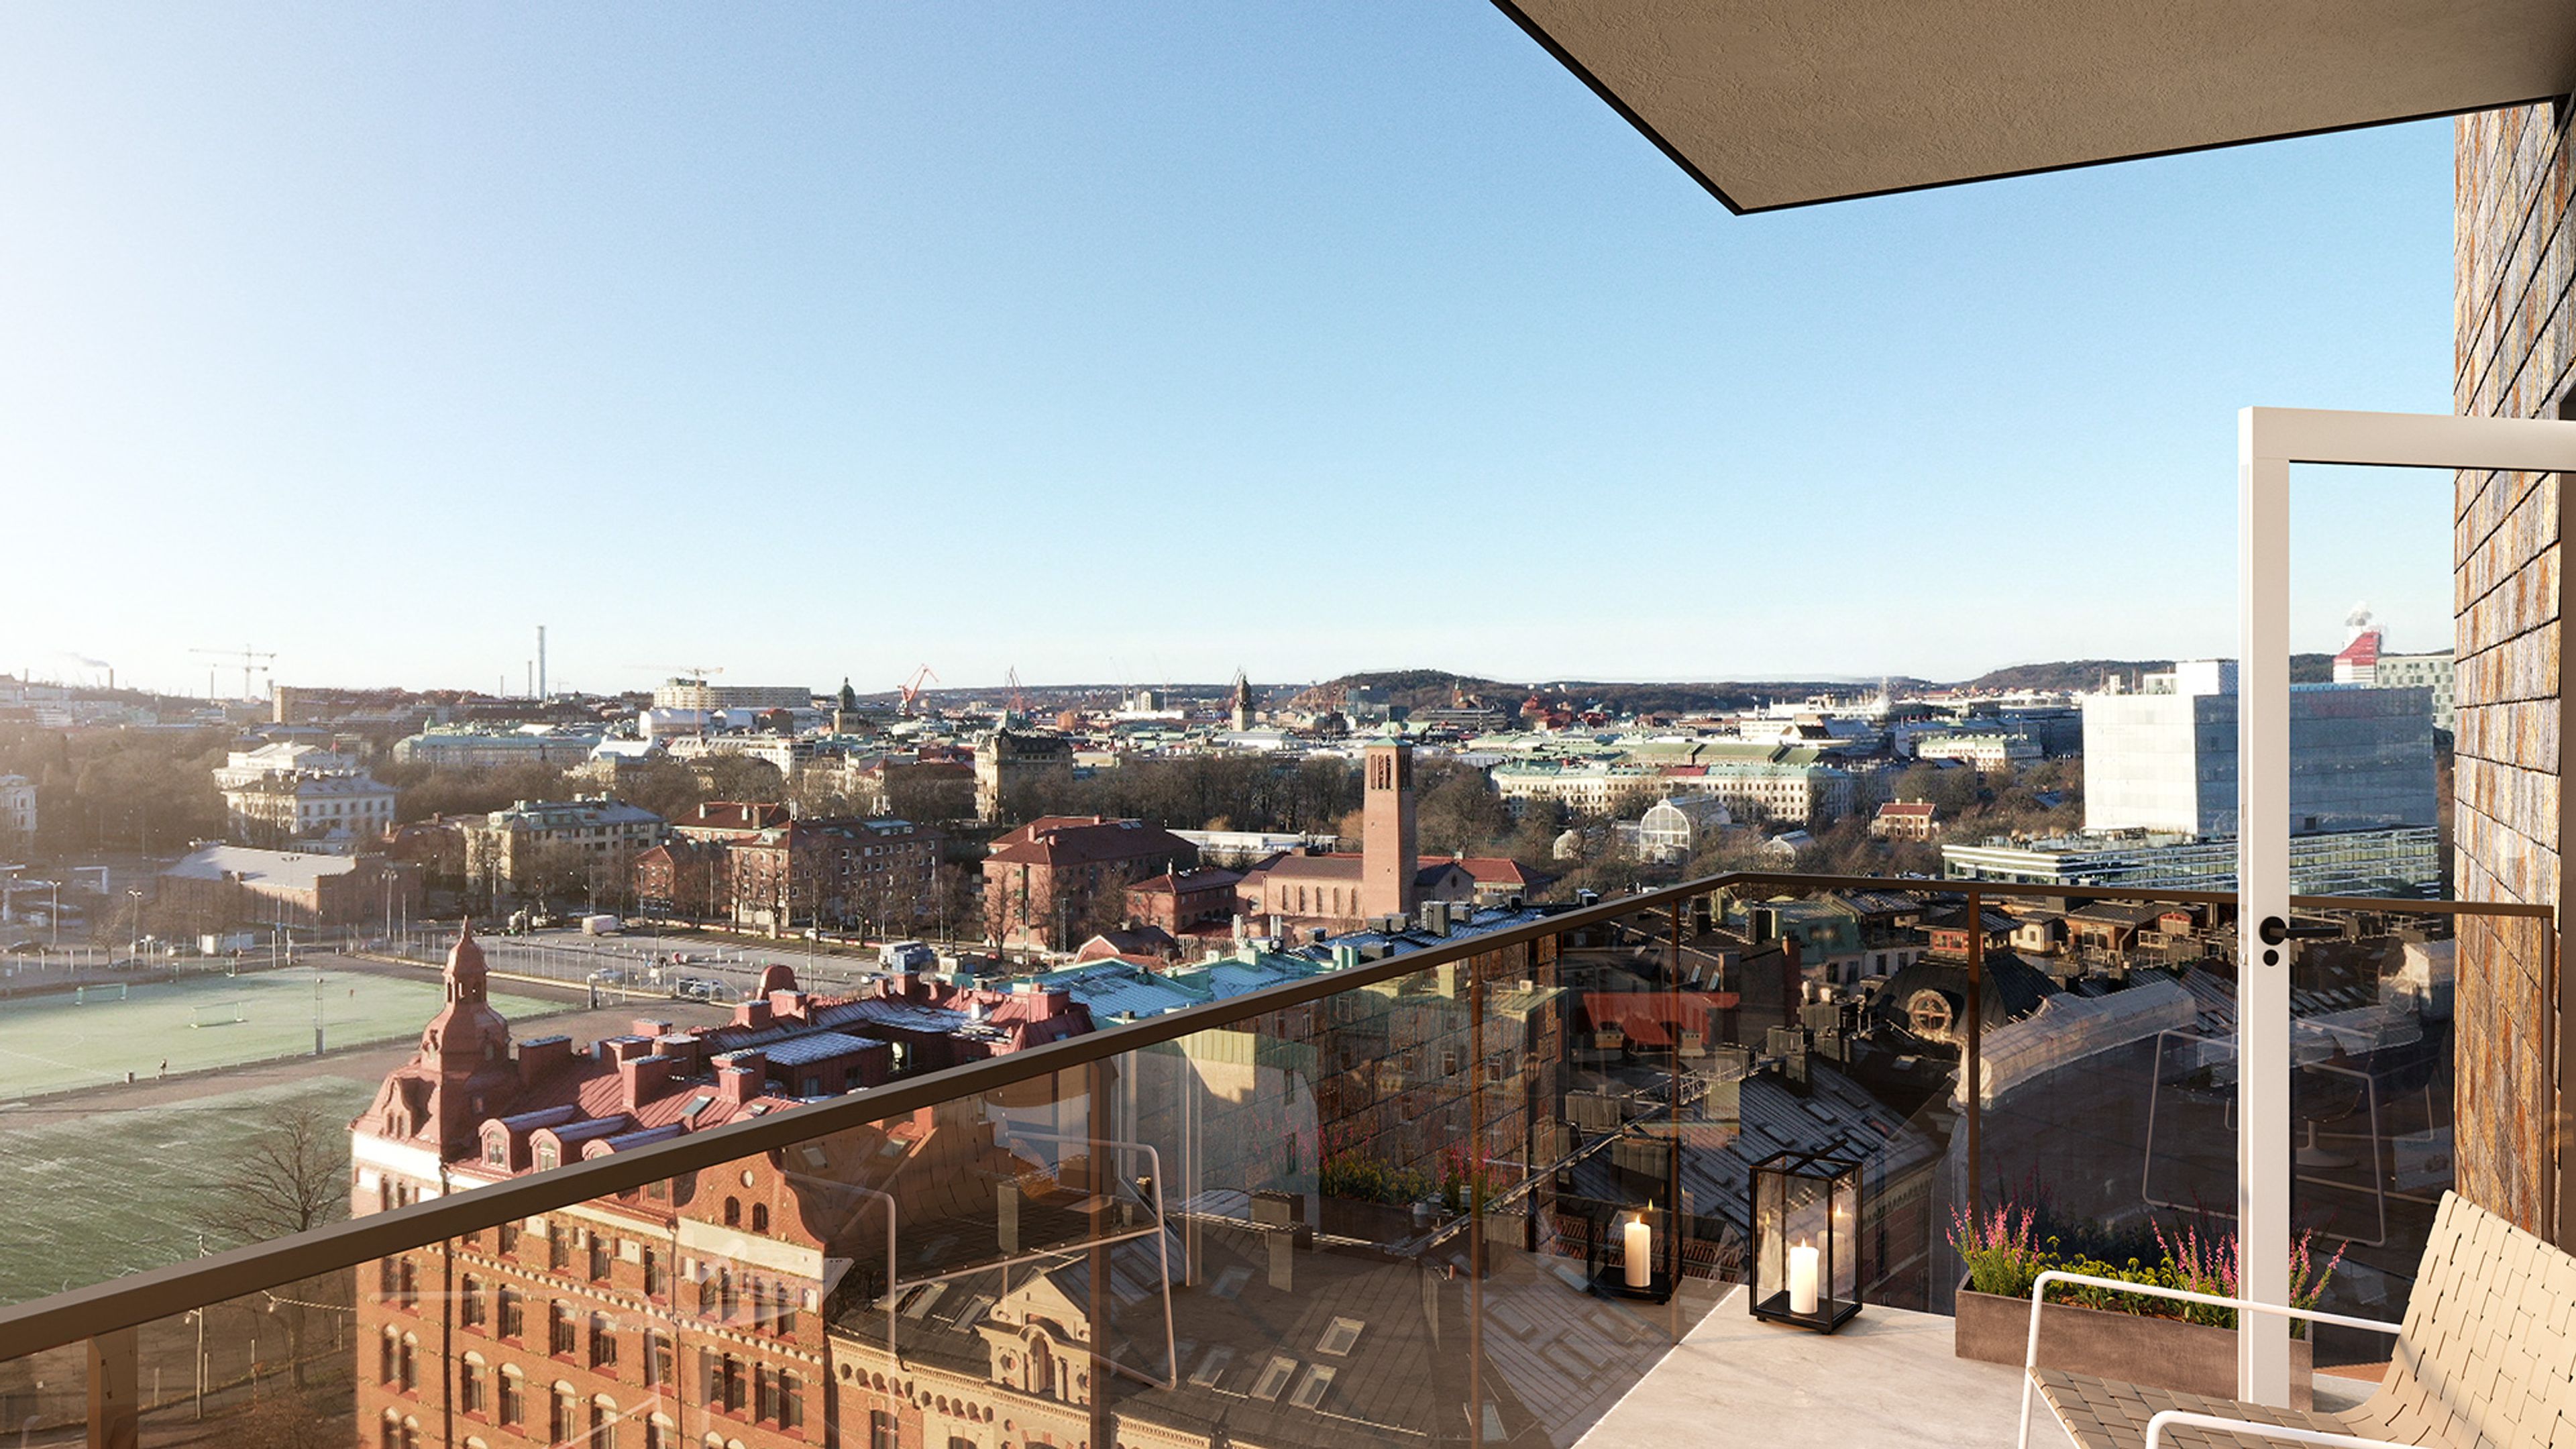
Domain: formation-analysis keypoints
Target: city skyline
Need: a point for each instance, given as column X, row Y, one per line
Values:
column 320, row 317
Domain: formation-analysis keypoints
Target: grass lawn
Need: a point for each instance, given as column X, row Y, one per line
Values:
column 203, row 1022
column 98, row 1196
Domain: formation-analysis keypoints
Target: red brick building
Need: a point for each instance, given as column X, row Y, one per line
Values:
column 1184, row 901
column 1061, row 878
column 688, row 1312
column 222, row 885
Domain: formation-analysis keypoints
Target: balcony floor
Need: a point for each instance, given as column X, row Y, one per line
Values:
column 1887, row 1377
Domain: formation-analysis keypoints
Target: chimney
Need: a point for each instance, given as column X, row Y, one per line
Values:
column 752, row 1014
column 741, row 1076
column 682, row 1049
column 639, row 1079
column 1283, row 1259
column 541, row 1055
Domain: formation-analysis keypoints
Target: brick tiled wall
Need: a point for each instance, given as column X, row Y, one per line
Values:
column 2514, row 325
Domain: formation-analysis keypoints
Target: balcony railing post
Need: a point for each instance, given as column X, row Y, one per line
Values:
column 115, row 1406
column 1972, row 1064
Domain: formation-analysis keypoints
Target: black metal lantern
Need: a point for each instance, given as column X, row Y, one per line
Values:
column 1806, row 1240
column 1634, row 1253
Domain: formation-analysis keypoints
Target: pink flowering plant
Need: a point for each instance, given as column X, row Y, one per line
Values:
column 2005, row 1256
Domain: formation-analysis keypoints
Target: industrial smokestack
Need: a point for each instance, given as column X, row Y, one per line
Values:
column 541, row 661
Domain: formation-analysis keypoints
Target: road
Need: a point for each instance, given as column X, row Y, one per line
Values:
column 574, row 958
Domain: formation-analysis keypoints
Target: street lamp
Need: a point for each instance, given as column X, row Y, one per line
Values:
column 134, row 948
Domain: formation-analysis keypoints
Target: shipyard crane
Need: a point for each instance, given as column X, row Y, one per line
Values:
column 250, row 660
column 911, row 690
column 1019, row 693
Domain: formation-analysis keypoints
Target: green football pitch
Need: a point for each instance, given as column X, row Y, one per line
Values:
column 118, row 1192
column 52, row 1042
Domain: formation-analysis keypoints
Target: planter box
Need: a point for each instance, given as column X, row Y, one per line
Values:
column 2159, row 1353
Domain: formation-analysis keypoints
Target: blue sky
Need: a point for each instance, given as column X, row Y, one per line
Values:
column 1122, row 343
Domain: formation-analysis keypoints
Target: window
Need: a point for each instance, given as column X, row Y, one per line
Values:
column 389, row 1433
column 1213, row 1367
column 1310, row 1390
column 657, row 1433
column 410, row 1363
column 791, row 1401
column 514, row 1397
column 602, row 1251
column 735, row 1385
column 766, row 1384
column 603, row 1342
column 513, row 1316
column 506, row 1238
column 733, row 1212
column 385, row 1278
column 881, row 1431
column 603, row 1423
column 1274, row 1377
column 406, row 1284
column 563, row 1419
column 760, row 1217
column 388, row 1357
column 559, row 1332
column 658, row 1360
column 655, row 1283
column 1340, row 1336
column 469, row 1386
column 469, row 1301
column 558, row 1245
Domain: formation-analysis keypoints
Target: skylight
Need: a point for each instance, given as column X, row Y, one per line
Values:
column 1219, row 1359
column 1310, row 1390
column 1274, row 1377
column 1340, row 1336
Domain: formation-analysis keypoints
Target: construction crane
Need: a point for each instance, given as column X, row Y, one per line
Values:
column 250, row 659
column 1019, row 695
column 911, row 690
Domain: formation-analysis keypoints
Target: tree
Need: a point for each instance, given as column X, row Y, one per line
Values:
column 1460, row 814
column 291, row 1177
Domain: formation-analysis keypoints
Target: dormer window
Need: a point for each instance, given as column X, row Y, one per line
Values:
column 496, row 1150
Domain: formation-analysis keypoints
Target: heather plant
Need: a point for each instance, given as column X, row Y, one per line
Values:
column 2001, row 1254
column 2005, row 1255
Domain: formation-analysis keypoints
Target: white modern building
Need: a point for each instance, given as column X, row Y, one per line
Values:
column 699, row 694
column 2164, row 758
column 2401, row 861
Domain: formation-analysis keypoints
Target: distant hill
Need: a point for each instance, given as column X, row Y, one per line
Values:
column 2072, row 674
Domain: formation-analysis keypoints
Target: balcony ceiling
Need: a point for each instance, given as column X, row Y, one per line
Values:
column 1774, row 103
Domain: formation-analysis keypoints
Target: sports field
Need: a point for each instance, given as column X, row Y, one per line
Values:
column 48, row 1043
column 101, row 1195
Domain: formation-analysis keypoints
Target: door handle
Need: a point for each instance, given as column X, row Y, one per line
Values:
column 2274, row 931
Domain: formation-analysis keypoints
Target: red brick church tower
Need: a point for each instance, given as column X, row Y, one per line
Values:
column 1389, row 865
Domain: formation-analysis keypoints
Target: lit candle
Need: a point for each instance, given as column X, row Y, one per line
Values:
column 1802, row 1278
column 1640, row 1249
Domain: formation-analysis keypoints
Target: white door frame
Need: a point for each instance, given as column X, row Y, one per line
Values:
column 2268, row 441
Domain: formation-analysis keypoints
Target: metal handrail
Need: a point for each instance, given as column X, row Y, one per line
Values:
column 139, row 1298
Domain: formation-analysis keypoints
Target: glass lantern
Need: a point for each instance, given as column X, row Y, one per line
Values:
column 1634, row 1252
column 1806, row 1240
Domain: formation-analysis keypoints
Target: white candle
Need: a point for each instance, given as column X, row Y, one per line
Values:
column 1802, row 1279
column 1640, row 1250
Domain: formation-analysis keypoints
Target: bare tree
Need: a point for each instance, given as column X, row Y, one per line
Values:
column 291, row 1177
